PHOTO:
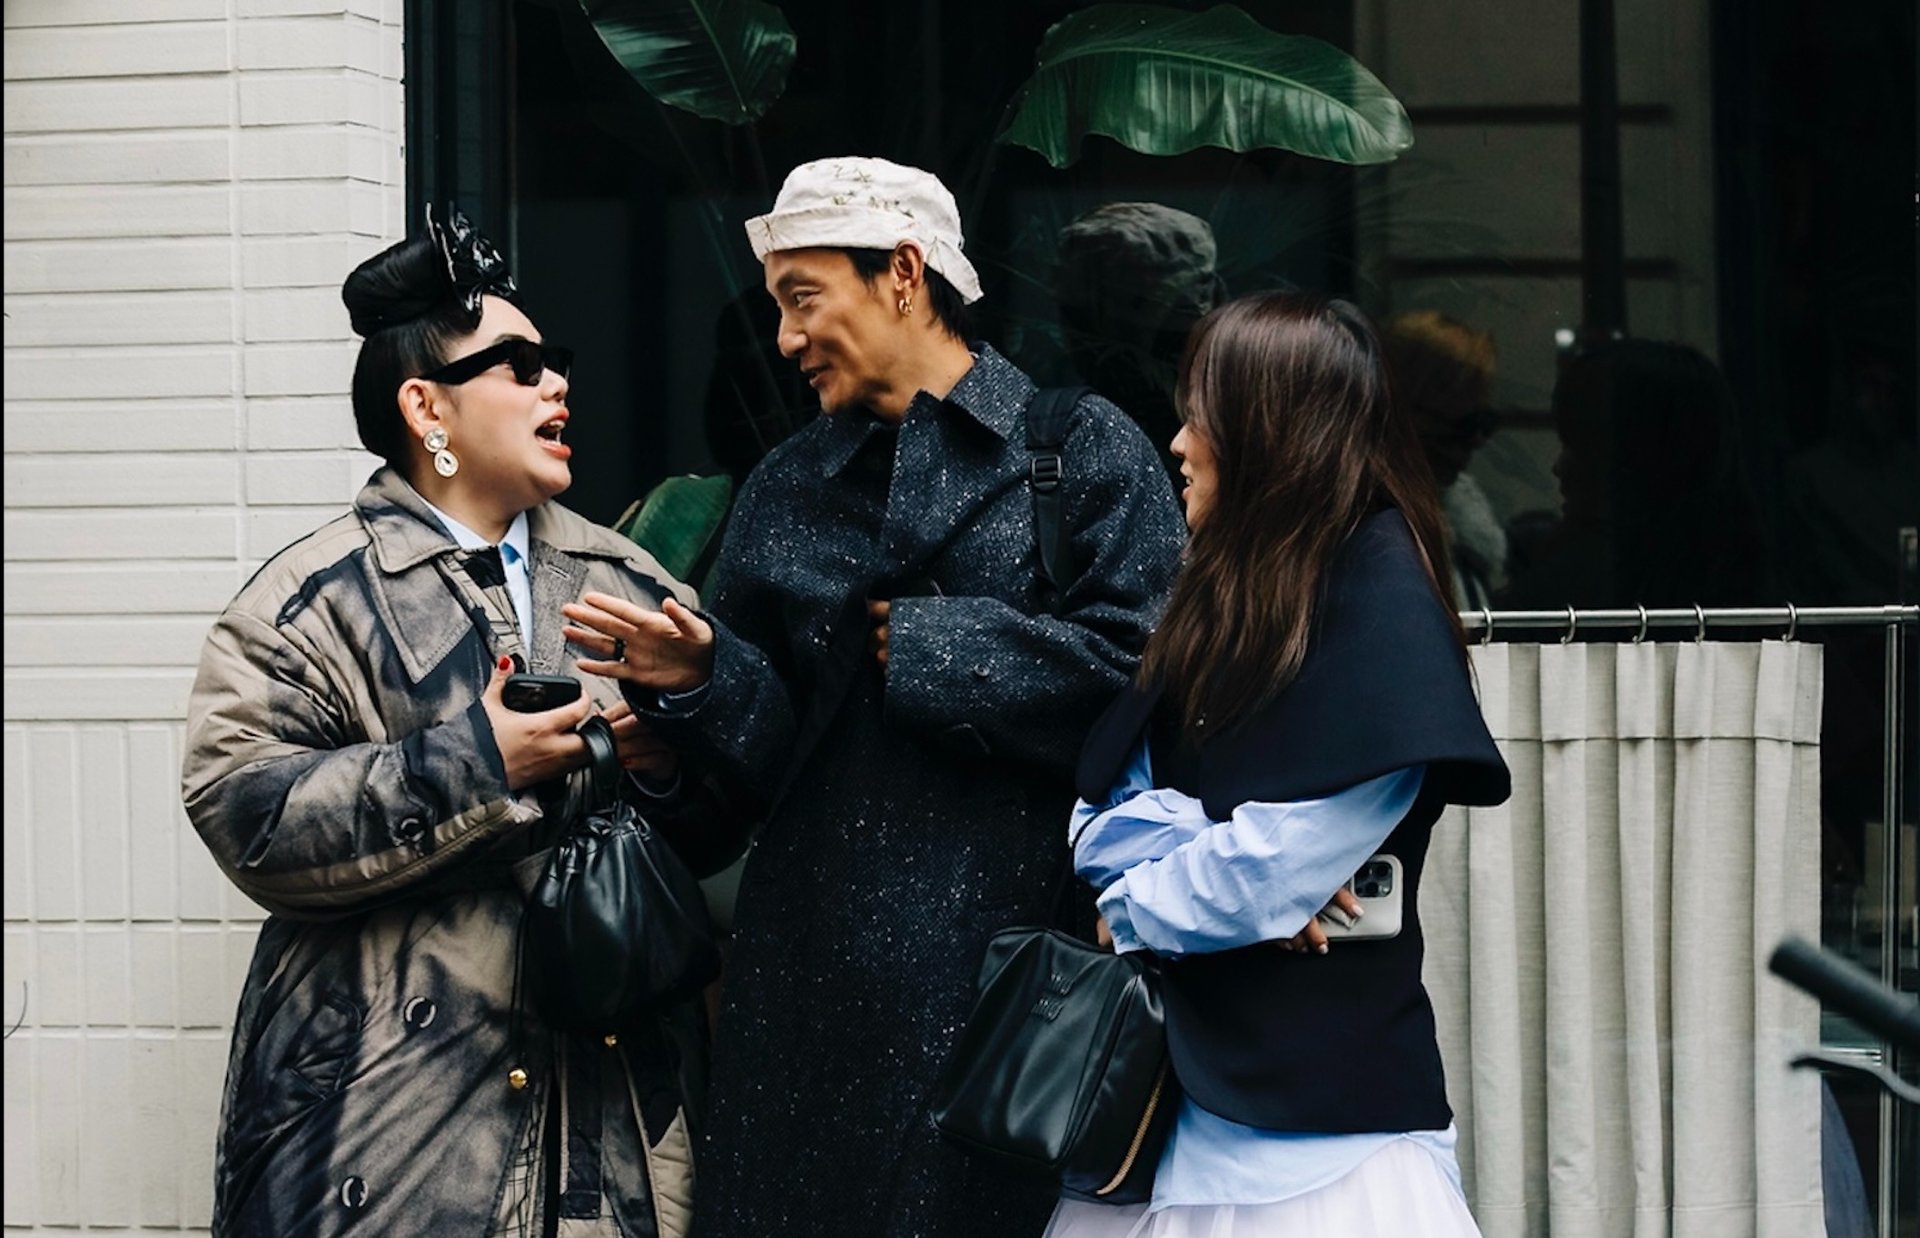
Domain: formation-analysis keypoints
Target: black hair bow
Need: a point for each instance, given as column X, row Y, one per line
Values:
column 474, row 266
column 452, row 264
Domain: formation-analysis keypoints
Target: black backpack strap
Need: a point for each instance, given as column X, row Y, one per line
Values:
column 1049, row 414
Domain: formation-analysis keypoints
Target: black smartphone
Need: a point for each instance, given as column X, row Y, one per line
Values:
column 532, row 694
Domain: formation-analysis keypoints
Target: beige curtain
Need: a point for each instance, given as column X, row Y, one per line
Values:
column 1596, row 948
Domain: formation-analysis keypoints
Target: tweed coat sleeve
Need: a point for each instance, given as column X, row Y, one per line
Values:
column 309, row 819
column 740, row 727
column 1028, row 686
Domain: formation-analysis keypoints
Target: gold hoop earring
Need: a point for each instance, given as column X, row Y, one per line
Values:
column 445, row 462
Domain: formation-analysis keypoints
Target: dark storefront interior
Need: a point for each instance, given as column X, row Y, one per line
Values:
column 1690, row 266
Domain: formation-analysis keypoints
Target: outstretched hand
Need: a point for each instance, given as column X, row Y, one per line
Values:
column 669, row 650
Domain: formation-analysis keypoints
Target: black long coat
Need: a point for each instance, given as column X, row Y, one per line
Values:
column 934, row 811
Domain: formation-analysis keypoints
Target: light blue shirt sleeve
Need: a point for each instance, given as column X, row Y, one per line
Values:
column 1138, row 822
column 1259, row 876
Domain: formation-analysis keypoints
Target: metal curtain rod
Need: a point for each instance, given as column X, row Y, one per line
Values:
column 1700, row 618
column 1895, row 620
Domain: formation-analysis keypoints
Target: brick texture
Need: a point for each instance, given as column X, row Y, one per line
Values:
column 186, row 185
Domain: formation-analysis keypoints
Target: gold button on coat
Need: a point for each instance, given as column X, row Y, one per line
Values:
column 612, row 1040
column 517, row 1077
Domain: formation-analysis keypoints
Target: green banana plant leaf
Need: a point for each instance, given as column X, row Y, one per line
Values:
column 1161, row 81
column 726, row 60
column 679, row 520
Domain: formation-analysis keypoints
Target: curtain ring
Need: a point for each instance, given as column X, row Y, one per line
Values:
column 1793, row 621
column 1699, row 618
column 1486, row 633
column 1641, row 636
column 1573, row 621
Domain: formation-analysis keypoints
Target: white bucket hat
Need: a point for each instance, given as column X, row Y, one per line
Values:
column 856, row 202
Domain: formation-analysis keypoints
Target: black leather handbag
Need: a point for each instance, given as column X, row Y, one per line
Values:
column 616, row 926
column 1062, row 1067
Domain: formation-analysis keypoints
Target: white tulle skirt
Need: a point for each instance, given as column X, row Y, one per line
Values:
column 1398, row 1192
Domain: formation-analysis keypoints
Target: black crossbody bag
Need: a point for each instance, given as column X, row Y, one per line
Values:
column 1062, row 1068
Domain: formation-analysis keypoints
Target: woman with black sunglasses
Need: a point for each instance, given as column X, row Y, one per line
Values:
column 354, row 769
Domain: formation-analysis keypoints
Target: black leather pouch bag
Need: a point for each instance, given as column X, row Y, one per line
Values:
column 1062, row 1067
column 616, row 926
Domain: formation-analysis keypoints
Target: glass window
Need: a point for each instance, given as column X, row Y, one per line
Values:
column 1646, row 278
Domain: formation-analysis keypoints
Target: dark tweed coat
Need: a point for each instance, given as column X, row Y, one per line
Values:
column 934, row 811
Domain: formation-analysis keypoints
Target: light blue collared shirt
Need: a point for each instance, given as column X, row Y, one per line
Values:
column 514, row 548
column 1175, row 882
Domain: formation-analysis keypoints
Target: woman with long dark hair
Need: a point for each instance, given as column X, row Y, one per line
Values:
column 1303, row 713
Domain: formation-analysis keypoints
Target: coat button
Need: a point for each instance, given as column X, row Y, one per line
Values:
column 517, row 1079
column 980, row 672
column 612, row 1040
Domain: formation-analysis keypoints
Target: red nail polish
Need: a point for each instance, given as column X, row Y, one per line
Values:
column 506, row 663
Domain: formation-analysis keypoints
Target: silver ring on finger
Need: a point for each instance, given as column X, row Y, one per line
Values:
column 619, row 649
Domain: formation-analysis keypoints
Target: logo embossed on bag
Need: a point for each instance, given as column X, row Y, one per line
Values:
column 1053, row 998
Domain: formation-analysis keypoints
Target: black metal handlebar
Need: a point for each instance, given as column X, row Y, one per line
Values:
column 1849, row 989
column 1852, row 991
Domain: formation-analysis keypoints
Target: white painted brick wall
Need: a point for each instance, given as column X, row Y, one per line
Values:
column 187, row 182
column 118, row 104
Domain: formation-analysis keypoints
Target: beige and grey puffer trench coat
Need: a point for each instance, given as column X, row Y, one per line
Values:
column 386, row 1074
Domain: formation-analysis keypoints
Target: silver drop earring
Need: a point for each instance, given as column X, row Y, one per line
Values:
column 445, row 462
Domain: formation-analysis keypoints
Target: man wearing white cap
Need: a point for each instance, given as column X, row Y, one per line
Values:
column 887, row 666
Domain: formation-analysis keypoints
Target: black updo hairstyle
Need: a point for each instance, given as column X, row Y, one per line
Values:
column 409, row 302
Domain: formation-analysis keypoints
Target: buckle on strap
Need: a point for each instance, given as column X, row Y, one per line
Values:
column 1046, row 473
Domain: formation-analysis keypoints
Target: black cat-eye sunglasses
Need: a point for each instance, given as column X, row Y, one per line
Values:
column 528, row 359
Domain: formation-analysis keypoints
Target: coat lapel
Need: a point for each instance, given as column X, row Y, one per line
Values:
column 554, row 580
column 949, row 463
column 423, row 614
column 943, row 476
